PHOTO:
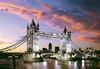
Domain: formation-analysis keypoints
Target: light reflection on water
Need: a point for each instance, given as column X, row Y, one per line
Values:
column 64, row 65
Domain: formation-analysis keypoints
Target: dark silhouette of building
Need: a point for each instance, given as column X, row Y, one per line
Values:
column 65, row 31
column 45, row 50
column 50, row 47
column 57, row 49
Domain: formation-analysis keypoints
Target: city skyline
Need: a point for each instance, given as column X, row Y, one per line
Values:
column 81, row 17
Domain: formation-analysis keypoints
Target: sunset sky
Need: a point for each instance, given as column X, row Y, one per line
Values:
column 82, row 17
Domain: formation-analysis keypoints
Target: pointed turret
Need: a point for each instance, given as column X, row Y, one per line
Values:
column 33, row 22
column 65, row 30
column 70, row 32
column 32, row 25
column 38, row 26
column 69, row 35
column 27, row 27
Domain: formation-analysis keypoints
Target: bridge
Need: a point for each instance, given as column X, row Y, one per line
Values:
column 32, row 39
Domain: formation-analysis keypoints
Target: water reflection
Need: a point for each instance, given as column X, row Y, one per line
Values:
column 64, row 65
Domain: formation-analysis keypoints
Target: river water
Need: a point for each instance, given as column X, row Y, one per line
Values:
column 64, row 65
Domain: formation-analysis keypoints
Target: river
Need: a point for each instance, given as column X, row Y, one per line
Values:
column 64, row 65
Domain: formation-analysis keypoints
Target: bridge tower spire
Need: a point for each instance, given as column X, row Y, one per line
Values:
column 33, row 38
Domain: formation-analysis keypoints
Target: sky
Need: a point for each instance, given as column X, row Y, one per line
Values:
column 82, row 17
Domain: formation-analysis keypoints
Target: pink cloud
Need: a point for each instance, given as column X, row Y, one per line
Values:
column 51, row 19
column 47, row 7
column 4, row 42
column 25, row 13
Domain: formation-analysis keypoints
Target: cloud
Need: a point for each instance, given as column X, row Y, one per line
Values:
column 47, row 7
column 74, row 17
column 85, row 23
column 3, row 42
column 90, row 5
column 81, row 22
column 55, row 15
column 25, row 13
column 3, row 37
column 88, row 36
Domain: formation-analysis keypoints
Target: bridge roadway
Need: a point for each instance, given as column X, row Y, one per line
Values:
column 52, row 35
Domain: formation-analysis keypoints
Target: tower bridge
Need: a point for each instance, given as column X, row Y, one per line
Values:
column 34, row 33
column 32, row 39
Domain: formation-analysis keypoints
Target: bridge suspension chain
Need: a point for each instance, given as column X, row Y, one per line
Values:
column 14, row 45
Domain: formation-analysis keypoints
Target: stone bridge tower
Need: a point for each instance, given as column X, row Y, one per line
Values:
column 32, row 37
column 66, row 41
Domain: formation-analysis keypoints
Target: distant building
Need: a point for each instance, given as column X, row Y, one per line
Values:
column 57, row 49
column 50, row 47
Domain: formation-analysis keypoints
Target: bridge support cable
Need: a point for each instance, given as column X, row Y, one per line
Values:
column 8, row 47
column 16, row 46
